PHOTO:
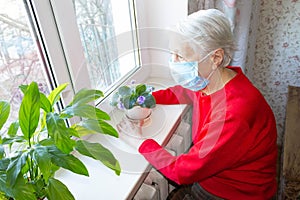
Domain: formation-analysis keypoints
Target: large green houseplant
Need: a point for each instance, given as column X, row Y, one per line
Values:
column 40, row 142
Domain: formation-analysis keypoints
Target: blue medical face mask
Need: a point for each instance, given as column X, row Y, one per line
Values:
column 186, row 74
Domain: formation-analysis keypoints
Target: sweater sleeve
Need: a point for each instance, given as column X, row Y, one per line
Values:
column 219, row 149
column 173, row 95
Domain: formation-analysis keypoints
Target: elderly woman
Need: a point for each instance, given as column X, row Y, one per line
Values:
column 234, row 151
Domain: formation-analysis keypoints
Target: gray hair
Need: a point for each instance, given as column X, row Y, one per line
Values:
column 206, row 31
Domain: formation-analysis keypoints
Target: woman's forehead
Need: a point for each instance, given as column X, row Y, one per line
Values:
column 181, row 48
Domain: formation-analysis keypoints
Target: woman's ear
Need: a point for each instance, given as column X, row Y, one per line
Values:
column 217, row 58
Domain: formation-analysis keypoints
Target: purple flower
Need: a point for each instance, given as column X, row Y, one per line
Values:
column 132, row 82
column 140, row 100
column 121, row 106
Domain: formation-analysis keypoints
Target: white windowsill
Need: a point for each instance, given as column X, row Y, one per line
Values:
column 103, row 183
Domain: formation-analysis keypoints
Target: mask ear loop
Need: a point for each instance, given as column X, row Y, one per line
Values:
column 217, row 66
column 211, row 73
column 205, row 57
column 200, row 61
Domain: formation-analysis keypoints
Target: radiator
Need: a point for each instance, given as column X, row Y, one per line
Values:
column 156, row 186
column 148, row 192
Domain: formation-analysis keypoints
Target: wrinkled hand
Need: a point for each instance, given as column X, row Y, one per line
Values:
column 131, row 133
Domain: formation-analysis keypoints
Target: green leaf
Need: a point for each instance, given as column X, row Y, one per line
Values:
column 139, row 89
column 53, row 169
column 86, row 111
column 84, row 96
column 4, row 112
column 41, row 156
column 149, row 101
column 3, row 186
column 82, row 131
column 124, row 90
column 39, row 186
column 29, row 112
column 47, row 142
column 45, row 103
column 100, row 127
column 26, row 168
column 4, row 164
column 54, row 96
column 23, row 190
column 20, row 191
column 15, row 167
column 13, row 129
column 2, row 152
column 73, row 132
column 98, row 152
column 57, row 190
column 129, row 102
column 13, row 140
column 67, row 161
column 59, row 132
column 115, row 99
column 23, row 88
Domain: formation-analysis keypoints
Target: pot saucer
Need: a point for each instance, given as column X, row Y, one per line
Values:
column 148, row 127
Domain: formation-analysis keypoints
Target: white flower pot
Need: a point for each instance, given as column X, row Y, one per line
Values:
column 138, row 113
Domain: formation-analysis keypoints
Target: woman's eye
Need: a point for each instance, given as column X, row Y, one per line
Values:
column 177, row 58
column 180, row 58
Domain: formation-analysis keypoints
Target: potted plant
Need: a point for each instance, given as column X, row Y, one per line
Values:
column 40, row 142
column 135, row 99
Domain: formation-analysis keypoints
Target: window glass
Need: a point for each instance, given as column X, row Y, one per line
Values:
column 19, row 60
column 107, row 38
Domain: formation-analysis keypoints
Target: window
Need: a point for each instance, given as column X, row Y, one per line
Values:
column 100, row 25
column 19, row 60
column 87, row 43
column 98, row 40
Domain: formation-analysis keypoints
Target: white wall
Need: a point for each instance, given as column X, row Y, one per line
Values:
column 154, row 19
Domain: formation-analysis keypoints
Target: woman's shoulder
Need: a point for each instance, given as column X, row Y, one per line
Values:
column 241, row 86
column 243, row 96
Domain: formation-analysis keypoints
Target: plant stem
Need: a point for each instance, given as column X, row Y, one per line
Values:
column 32, row 169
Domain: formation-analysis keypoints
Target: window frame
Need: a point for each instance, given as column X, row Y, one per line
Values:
column 60, row 45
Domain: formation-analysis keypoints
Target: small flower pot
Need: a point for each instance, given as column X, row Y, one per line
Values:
column 138, row 113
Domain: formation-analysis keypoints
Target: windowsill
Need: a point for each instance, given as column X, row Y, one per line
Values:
column 102, row 181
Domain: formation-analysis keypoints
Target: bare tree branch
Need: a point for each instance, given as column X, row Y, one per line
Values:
column 13, row 22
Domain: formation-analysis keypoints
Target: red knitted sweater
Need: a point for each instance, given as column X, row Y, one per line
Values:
column 234, row 142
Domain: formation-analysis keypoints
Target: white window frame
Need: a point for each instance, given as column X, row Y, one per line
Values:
column 71, row 43
column 61, row 39
column 50, row 45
